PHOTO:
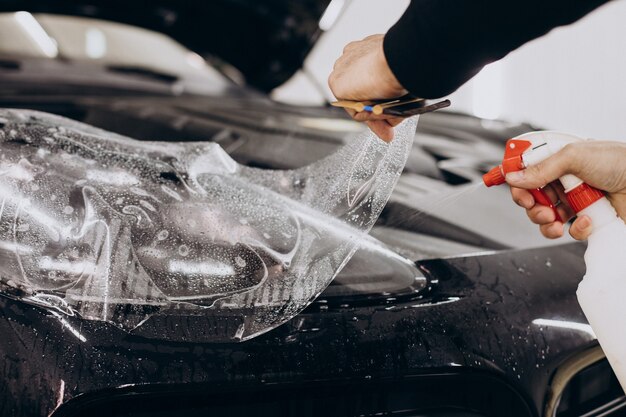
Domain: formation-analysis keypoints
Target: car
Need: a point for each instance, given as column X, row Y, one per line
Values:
column 482, row 320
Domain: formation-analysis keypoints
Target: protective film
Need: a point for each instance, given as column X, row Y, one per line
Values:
column 104, row 227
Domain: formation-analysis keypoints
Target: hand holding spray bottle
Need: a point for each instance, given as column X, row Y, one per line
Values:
column 602, row 292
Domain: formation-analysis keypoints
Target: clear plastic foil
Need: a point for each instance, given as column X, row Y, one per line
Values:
column 113, row 229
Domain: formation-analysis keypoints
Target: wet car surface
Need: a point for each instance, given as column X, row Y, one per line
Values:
column 486, row 330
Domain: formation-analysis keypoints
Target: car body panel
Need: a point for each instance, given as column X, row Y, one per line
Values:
column 478, row 318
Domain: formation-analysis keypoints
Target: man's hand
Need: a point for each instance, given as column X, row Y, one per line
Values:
column 599, row 164
column 361, row 74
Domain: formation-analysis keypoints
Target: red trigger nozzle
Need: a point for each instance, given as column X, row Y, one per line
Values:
column 494, row 177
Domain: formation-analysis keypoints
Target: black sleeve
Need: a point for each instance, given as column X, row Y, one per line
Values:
column 438, row 45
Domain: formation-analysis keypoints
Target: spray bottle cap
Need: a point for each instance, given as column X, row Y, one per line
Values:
column 583, row 196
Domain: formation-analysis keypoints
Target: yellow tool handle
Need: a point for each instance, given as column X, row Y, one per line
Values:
column 357, row 106
column 376, row 106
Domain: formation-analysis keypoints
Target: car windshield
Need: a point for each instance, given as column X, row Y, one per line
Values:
column 109, row 44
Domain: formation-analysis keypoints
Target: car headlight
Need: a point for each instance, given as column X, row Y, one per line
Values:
column 112, row 229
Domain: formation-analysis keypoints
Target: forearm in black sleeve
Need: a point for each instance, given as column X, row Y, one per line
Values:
column 438, row 45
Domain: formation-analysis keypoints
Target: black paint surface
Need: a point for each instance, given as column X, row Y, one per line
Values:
column 470, row 340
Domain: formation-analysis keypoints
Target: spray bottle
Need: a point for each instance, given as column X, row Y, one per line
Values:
column 601, row 294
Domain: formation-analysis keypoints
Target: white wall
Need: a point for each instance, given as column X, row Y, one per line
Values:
column 573, row 79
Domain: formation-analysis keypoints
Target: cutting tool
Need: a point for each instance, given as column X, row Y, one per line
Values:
column 404, row 106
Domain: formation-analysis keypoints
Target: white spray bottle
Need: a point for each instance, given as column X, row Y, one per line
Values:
column 602, row 292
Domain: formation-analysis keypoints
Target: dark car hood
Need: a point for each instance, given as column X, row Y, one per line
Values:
column 267, row 41
column 478, row 331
